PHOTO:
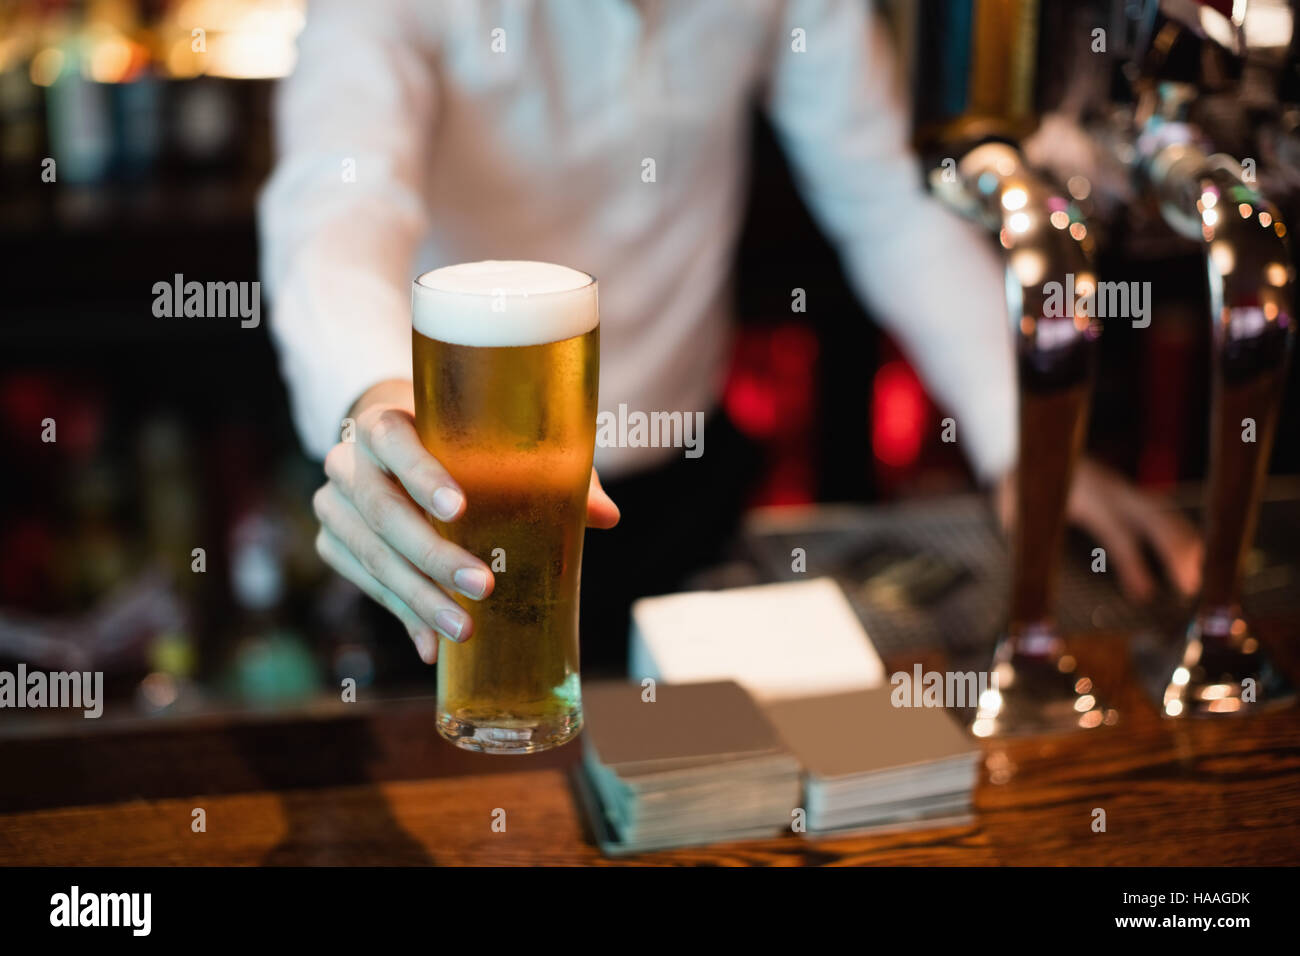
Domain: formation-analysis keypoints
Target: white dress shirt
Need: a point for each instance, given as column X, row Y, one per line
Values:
column 408, row 138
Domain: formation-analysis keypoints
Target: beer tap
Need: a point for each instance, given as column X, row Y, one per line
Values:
column 1205, row 77
column 1049, row 285
column 1248, row 267
column 1222, row 666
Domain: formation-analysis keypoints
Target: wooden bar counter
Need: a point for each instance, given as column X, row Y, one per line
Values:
column 373, row 784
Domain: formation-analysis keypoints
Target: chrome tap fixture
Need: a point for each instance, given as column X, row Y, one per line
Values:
column 1223, row 667
column 1203, row 77
column 1051, row 288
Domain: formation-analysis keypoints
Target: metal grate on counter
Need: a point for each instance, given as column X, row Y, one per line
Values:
column 935, row 573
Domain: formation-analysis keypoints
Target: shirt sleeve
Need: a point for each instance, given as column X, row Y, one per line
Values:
column 343, row 213
column 929, row 277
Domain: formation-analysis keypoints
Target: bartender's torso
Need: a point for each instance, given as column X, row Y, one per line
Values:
column 610, row 136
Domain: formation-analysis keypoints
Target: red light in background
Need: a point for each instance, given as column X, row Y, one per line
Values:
column 793, row 351
column 771, row 396
column 27, row 399
column 751, row 404
column 898, row 414
column 770, row 387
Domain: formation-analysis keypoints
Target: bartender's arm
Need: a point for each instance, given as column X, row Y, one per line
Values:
column 930, row 278
column 340, row 221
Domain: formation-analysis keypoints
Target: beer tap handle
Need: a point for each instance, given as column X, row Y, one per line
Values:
column 1049, row 278
column 1223, row 665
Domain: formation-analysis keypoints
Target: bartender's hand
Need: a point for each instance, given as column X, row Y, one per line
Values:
column 374, row 531
column 1120, row 517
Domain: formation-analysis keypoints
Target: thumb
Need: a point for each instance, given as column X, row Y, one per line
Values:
column 601, row 510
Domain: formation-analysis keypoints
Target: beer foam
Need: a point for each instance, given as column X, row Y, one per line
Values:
column 495, row 303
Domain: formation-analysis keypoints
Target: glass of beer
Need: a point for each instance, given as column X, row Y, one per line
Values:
column 506, row 367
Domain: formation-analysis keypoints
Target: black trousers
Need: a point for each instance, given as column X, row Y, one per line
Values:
column 676, row 519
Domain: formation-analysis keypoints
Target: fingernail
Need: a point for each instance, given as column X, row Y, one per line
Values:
column 450, row 623
column 446, row 502
column 425, row 645
column 471, row 582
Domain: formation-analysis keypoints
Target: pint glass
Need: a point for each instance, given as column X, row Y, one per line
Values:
column 506, row 365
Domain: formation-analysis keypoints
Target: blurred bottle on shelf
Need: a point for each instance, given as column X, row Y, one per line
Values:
column 77, row 115
column 21, row 130
column 116, row 90
column 971, row 66
column 170, row 506
column 170, row 511
column 270, row 663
